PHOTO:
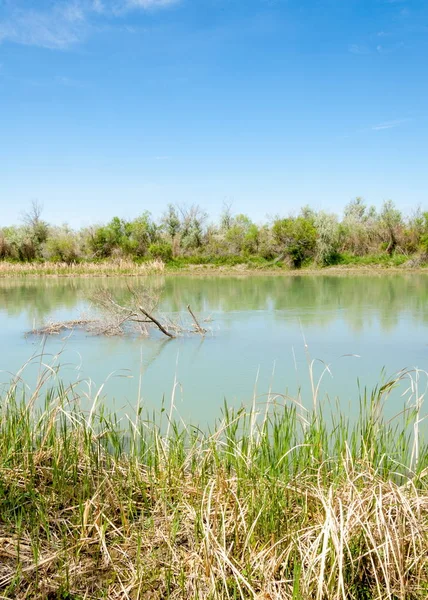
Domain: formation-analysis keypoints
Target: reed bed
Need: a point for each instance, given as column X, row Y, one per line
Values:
column 274, row 503
column 126, row 267
column 104, row 268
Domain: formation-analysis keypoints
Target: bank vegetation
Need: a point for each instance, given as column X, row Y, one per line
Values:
column 275, row 502
column 186, row 236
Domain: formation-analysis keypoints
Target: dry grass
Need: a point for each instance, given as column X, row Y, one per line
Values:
column 268, row 506
column 124, row 267
column 105, row 268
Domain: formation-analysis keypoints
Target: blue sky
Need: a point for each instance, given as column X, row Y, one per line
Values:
column 113, row 107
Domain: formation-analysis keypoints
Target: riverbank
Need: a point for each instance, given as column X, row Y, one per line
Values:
column 275, row 503
column 127, row 268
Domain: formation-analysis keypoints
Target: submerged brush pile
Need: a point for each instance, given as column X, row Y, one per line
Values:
column 269, row 506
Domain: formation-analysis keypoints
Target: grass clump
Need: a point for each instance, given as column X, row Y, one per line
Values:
column 271, row 504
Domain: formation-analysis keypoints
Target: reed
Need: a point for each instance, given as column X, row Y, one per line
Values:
column 99, row 268
column 196, row 266
column 277, row 502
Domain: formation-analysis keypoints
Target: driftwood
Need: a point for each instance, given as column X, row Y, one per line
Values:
column 55, row 328
column 135, row 316
column 156, row 322
column 115, row 318
column 199, row 329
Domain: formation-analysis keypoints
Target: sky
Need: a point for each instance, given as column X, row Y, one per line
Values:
column 114, row 107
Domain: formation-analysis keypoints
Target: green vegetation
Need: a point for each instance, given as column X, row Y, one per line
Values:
column 186, row 236
column 277, row 502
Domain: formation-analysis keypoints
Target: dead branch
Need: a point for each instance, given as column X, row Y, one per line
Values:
column 156, row 322
column 199, row 329
column 115, row 317
column 54, row 328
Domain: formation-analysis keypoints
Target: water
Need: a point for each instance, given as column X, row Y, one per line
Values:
column 259, row 326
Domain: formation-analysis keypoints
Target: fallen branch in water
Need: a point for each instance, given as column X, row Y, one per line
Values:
column 55, row 328
column 152, row 319
column 199, row 329
column 117, row 318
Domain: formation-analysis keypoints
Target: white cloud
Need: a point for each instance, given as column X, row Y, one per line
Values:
column 150, row 3
column 98, row 6
column 57, row 29
column 65, row 23
column 357, row 49
column 73, row 12
column 389, row 124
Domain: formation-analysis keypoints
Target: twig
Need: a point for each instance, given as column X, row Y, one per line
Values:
column 56, row 328
column 199, row 329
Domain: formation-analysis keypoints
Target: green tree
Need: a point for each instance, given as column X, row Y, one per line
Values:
column 141, row 233
column 327, row 243
column 37, row 228
column 295, row 238
column 359, row 230
column 170, row 222
column 20, row 243
column 424, row 233
column 62, row 245
column 192, row 227
column 242, row 235
column 391, row 219
column 226, row 217
column 103, row 239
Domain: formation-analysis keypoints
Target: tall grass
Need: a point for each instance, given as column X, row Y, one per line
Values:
column 107, row 267
column 203, row 264
column 273, row 503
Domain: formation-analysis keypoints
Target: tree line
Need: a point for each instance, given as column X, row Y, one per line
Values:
column 187, row 233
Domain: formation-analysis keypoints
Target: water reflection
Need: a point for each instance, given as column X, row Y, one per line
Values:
column 258, row 321
column 313, row 299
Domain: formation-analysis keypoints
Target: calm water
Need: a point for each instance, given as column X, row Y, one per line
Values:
column 259, row 326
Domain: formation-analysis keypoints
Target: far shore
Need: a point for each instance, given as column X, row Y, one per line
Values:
column 125, row 268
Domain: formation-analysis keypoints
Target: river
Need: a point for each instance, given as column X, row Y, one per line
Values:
column 263, row 334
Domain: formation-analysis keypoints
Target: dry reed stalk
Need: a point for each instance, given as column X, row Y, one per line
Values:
column 245, row 512
column 112, row 267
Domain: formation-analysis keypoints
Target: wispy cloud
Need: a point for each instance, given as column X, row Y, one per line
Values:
column 65, row 23
column 382, row 49
column 379, row 48
column 150, row 3
column 389, row 124
column 358, row 49
column 58, row 28
column 69, row 82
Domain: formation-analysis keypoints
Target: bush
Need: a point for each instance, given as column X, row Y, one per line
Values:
column 61, row 247
column 20, row 243
column 162, row 250
column 4, row 247
column 327, row 243
column 296, row 238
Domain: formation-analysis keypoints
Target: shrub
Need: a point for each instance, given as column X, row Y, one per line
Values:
column 162, row 250
column 61, row 246
column 21, row 243
column 327, row 243
column 4, row 246
column 296, row 238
